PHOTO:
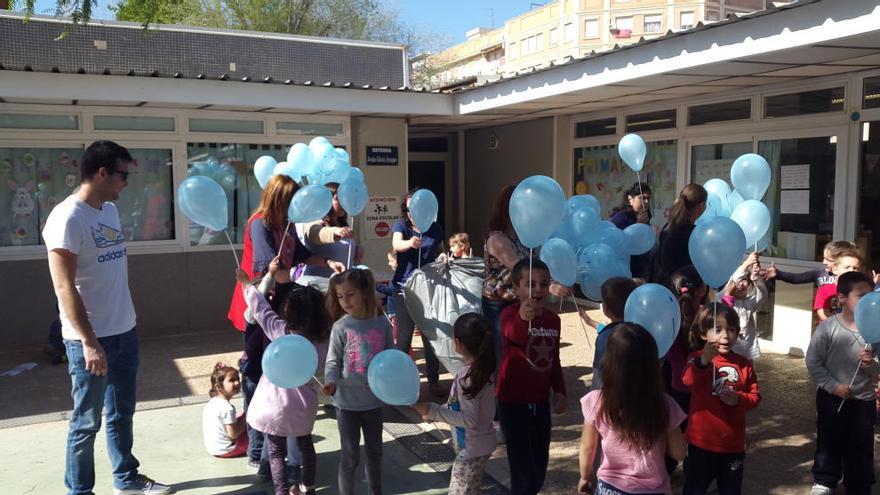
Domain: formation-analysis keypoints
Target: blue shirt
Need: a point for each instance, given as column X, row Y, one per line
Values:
column 408, row 260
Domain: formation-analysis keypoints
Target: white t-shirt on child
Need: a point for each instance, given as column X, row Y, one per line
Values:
column 95, row 236
column 218, row 413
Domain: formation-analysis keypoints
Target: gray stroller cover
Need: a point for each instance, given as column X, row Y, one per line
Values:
column 437, row 295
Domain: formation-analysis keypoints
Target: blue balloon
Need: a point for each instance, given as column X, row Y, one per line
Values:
column 394, row 378
column 300, row 163
column 290, row 361
column 753, row 217
column 632, row 150
column 750, row 175
column 352, row 196
column 560, row 258
column 310, row 203
column 318, row 140
column 581, row 200
column 714, row 208
column 722, row 190
column 638, row 238
column 335, row 171
column 582, row 223
column 356, row 174
column 734, row 199
column 203, row 201
column 537, row 207
column 264, row 169
column 597, row 263
column 655, row 308
column 716, row 247
column 325, row 156
column 342, row 154
column 608, row 233
column 764, row 242
column 423, row 207
column 868, row 317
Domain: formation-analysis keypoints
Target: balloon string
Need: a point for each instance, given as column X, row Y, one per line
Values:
column 639, row 182
column 583, row 325
column 283, row 237
column 348, row 265
column 237, row 263
column 531, row 250
column 317, row 381
column 420, row 255
column 859, row 365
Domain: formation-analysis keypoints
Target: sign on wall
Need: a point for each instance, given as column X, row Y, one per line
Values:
column 382, row 155
column 379, row 216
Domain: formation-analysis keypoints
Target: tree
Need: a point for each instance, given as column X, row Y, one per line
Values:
column 77, row 10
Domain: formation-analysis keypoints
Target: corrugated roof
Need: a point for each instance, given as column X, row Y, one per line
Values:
column 122, row 48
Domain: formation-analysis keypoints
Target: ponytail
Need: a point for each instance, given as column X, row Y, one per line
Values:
column 685, row 283
column 474, row 332
column 691, row 197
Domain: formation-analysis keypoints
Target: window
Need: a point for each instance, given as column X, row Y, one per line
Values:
column 129, row 123
column 512, row 49
column 712, row 16
column 26, row 121
column 310, row 128
column 653, row 23
column 686, row 20
column 593, row 128
column 40, row 178
column 554, row 36
column 623, row 23
column 568, row 32
column 819, row 101
column 871, row 93
column 664, row 119
column 539, row 42
column 598, row 170
column 231, row 166
column 223, row 125
column 720, row 112
column 591, row 28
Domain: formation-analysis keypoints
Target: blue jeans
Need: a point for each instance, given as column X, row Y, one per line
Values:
column 492, row 310
column 115, row 394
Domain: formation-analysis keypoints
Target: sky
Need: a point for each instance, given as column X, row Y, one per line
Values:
column 449, row 18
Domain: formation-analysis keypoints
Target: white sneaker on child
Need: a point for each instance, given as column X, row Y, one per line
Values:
column 143, row 485
column 820, row 490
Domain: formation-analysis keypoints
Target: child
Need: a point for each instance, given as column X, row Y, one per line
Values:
column 819, row 276
column 635, row 422
column 615, row 292
column 844, row 370
column 386, row 289
column 724, row 387
column 471, row 405
column 746, row 293
column 827, row 303
column 460, row 246
column 529, row 375
column 360, row 332
column 222, row 430
column 690, row 292
column 287, row 412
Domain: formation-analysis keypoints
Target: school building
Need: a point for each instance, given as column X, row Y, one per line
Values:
column 799, row 84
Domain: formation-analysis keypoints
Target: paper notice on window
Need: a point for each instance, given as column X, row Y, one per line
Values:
column 795, row 177
column 795, row 202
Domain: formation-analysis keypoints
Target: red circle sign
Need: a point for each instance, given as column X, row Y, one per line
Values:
column 382, row 229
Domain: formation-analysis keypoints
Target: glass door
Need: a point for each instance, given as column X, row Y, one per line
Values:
column 868, row 221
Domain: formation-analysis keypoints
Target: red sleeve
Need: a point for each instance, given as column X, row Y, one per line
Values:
column 822, row 295
column 557, row 381
column 512, row 326
column 750, row 397
column 695, row 377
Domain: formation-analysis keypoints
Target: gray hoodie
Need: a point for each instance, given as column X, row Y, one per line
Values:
column 353, row 343
column 833, row 357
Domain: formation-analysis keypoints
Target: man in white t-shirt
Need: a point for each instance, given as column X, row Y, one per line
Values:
column 89, row 268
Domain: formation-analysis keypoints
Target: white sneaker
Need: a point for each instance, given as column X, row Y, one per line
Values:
column 143, row 485
column 820, row 490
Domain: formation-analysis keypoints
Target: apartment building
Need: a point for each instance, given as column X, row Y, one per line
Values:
column 572, row 28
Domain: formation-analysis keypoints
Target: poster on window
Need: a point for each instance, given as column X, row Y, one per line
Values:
column 598, row 170
column 379, row 216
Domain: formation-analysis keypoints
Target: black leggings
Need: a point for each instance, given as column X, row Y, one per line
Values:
column 277, row 453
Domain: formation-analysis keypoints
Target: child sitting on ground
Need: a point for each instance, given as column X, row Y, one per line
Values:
column 827, row 304
column 471, row 405
column 724, row 387
column 746, row 293
column 633, row 420
column 223, row 431
column 530, row 375
column 844, row 369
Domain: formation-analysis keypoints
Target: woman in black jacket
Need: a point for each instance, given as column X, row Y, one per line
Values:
column 673, row 243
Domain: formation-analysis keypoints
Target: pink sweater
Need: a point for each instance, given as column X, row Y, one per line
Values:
column 284, row 412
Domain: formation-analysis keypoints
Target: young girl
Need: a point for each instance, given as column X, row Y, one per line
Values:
column 360, row 332
column 635, row 422
column 746, row 294
column 819, row 276
column 690, row 292
column 288, row 412
column 471, row 405
column 222, row 430
column 723, row 388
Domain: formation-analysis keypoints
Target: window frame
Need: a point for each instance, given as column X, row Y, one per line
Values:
column 658, row 22
column 682, row 25
column 594, row 20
